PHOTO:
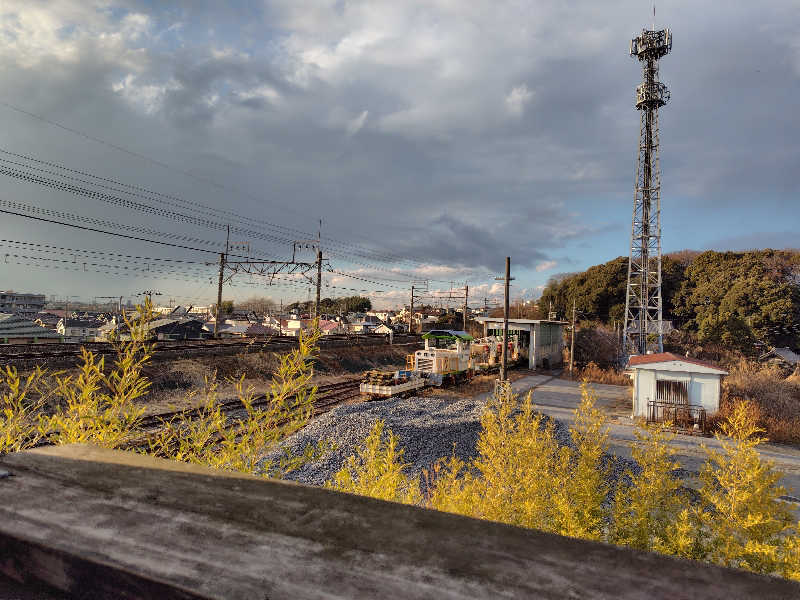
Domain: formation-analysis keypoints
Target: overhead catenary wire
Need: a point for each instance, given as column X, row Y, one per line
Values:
column 329, row 241
column 24, row 171
column 357, row 249
column 177, row 216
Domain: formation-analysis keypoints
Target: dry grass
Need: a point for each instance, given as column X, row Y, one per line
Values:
column 594, row 374
column 776, row 400
column 173, row 380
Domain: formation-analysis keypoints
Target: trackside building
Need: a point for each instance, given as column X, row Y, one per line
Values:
column 670, row 380
column 543, row 339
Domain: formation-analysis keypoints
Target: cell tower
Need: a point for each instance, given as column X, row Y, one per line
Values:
column 643, row 331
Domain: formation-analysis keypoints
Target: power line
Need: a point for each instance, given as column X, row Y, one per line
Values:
column 329, row 241
column 30, row 177
column 50, row 248
column 114, row 233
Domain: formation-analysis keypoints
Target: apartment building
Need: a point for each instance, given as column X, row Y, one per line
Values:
column 20, row 303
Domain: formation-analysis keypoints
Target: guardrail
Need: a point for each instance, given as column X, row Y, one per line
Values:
column 106, row 524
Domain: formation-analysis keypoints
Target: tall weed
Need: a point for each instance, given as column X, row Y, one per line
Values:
column 213, row 439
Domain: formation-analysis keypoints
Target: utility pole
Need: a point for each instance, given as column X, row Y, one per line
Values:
column 319, row 284
column 572, row 343
column 411, row 315
column 222, row 257
column 466, row 296
column 219, row 293
column 508, row 279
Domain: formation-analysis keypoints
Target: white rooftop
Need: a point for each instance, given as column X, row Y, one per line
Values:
column 519, row 321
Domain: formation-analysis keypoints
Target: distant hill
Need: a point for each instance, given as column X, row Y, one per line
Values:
column 733, row 298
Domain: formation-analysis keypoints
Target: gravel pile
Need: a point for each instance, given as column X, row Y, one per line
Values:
column 427, row 429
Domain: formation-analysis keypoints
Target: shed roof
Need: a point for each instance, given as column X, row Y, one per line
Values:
column 520, row 321
column 686, row 363
column 785, row 354
column 447, row 333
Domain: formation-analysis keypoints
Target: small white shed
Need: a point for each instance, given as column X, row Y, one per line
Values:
column 669, row 379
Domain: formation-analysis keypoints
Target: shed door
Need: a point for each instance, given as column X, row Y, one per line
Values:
column 672, row 392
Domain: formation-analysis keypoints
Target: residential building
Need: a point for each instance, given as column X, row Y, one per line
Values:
column 293, row 327
column 48, row 320
column 80, row 329
column 361, row 327
column 20, row 303
column 237, row 328
column 784, row 358
column 16, row 329
column 328, row 327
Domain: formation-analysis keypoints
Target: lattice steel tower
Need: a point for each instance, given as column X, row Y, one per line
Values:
column 643, row 331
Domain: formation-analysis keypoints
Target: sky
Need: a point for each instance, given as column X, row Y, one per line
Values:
column 432, row 139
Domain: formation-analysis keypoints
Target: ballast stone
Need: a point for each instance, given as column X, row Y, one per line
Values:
column 428, row 429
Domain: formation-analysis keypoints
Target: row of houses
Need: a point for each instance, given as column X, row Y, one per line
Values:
column 176, row 324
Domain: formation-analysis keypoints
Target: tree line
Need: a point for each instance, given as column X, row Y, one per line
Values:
column 733, row 298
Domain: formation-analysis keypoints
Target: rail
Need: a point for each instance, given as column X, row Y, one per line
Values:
column 12, row 352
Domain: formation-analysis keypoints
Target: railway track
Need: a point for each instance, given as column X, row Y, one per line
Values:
column 328, row 396
column 21, row 352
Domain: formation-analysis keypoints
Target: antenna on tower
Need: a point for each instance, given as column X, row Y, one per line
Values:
column 643, row 305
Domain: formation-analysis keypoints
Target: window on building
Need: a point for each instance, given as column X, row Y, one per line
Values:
column 672, row 392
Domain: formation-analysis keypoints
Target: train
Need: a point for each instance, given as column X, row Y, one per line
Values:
column 449, row 356
column 456, row 354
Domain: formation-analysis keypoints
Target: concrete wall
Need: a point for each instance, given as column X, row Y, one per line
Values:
column 550, row 352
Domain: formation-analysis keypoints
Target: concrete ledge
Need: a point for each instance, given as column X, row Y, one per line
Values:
column 108, row 524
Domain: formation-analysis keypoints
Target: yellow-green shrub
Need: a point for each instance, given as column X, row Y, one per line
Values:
column 213, row 439
column 92, row 406
column 645, row 508
column 377, row 470
column 581, row 487
column 522, row 477
column 23, row 398
column 510, row 480
column 98, row 407
column 744, row 522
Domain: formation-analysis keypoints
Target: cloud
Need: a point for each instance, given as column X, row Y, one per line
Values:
column 355, row 125
column 546, row 266
column 432, row 138
column 517, row 99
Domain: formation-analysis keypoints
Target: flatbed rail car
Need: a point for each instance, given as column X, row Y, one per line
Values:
column 397, row 389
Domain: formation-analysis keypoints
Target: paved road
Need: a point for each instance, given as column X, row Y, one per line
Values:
column 558, row 398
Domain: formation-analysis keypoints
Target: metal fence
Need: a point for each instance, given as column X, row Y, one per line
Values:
column 688, row 417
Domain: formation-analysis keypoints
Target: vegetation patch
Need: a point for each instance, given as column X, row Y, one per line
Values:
column 522, row 476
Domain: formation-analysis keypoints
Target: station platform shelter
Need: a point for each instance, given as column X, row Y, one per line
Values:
column 544, row 339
